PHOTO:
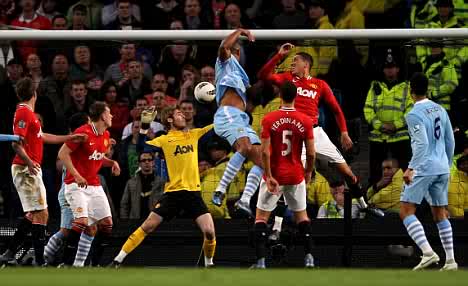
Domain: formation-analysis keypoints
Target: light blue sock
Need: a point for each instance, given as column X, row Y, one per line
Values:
column 53, row 245
column 446, row 237
column 416, row 231
column 83, row 249
column 233, row 166
column 253, row 181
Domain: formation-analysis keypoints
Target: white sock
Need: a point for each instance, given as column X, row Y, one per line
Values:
column 120, row 257
column 208, row 261
column 278, row 223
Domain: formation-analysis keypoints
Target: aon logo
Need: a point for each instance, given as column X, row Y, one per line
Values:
column 183, row 149
column 96, row 156
column 306, row 92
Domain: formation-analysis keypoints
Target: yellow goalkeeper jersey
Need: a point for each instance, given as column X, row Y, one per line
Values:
column 180, row 150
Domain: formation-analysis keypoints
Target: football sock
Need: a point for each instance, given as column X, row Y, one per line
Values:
column 53, row 245
column 38, row 241
column 24, row 228
column 278, row 223
column 132, row 242
column 233, row 166
column 445, row 233
column 305, row 231
column 416, row 231
column 84, row 245
column 71, row 243
column 260, row 229
column 101, row 241
column 209, row 247
column 251, row 185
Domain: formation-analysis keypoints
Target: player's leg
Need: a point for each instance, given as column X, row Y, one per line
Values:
column 56, row 241
column 164, row 211
column 226, row 122
column 38, row 234
column 84, row 245
column 206, row 225
column 412, row 195
column 266, row 203
column 296, row 199
column 327, row 152
column 438, row 193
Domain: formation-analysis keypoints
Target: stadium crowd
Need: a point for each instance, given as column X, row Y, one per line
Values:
column 369, row 79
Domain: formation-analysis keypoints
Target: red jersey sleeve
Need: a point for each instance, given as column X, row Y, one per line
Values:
column 330, row 101
column 266, row 72
column 21, row 123
column 266, row 125
column 74, row 145
column 309, row 127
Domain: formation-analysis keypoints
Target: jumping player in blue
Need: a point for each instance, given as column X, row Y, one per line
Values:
column 232, row 123
column 427, row 176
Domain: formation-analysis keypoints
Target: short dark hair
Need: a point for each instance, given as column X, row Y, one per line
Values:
column 59, row 16
column 419, row 84
column 124, row 1
column 25, row 89
column 306, row 57
column 288, row 92
column 81, row 8
column 96, row 110
column 187, row 101
column 78, row 82
column 166, row 114
column 145, row 152
column 77, row 120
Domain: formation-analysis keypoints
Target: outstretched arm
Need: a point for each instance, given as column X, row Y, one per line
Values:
column 224, row 52
column 266, row 72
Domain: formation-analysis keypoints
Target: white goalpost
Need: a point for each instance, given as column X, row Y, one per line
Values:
column 337, row 34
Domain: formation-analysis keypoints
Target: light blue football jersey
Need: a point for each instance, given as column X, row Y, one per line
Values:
column 230, row 74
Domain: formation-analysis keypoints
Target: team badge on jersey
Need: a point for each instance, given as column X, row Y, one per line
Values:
column 21, row 124
column 106, row 143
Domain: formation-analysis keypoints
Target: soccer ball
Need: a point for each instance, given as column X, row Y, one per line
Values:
column 205, row 92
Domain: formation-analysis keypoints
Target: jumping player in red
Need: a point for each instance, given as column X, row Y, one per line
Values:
column 284, row 132
column 83, row 190
column 310, row 93
column 27, row 174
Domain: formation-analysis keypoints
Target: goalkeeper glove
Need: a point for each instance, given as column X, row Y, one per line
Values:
column 147, row 116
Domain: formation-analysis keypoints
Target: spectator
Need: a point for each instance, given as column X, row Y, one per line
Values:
column 160, row 15
column 385, row 194
column 7, row 52
column 388, row 101
column 47, row 8
column 173, row 58
column 116, row 72
column 31, row 20
column 142, row 191
column 119, row 109
column 188, row 109
column 159, row 103
column 290, row 17
column 80, row 100
column 7, row 9
column 189, row 77
column 92, row 15
column 124, row 20
column 79, row 18
column 128, row 153
column 232, row 17
column 217, row 6
column 207, row 74
column 461, row 10
column 176, row 25
column 135, row 85
column 110, row 12
column 59, row 22
column 33, row 69
column 140, row 105
column 57, row 88
column 422, row 11
column 14, row 71
column 159, row 83
column 82, row 68
column 334, row 208
column 193, row 19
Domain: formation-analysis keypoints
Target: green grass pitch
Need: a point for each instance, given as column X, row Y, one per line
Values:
column 226, row 277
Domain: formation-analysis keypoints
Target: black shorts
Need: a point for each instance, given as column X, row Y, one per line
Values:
column 187, row 203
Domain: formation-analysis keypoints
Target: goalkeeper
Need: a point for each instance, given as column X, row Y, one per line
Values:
column 182, row 191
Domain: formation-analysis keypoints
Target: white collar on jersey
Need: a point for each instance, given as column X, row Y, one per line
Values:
column 296, row 78
column 284, row 108
column 94, row 128
column 421, row 101
column 27, row 106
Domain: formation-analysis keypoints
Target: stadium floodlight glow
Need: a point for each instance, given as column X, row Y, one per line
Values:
column 199, row 35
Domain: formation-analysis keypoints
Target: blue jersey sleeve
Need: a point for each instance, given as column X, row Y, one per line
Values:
column 419, row 140
column 449, row 140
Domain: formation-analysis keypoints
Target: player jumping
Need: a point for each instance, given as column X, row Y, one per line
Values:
column 427, row 176
column 27, row 174
column 182, row 191
column 284, row 132
column 232, row 123
column 310, row 93
column 83, row 190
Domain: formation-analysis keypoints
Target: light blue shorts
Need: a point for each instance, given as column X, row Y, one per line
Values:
column 66, row 214
column 433, row 188
column 232, row 123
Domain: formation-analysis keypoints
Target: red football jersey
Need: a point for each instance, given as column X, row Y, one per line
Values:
column 310, row 93
column 87, row 156
column 26, row 125
column 287, row 130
